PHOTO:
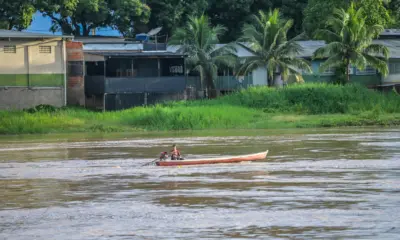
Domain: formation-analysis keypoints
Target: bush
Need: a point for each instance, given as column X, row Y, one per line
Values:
column 309, row 99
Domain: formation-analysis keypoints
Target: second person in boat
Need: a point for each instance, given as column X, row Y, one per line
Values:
column 175, row 153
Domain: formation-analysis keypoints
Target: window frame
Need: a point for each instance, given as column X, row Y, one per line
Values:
column 42, row 49
column 369, row 70
column 9, row 47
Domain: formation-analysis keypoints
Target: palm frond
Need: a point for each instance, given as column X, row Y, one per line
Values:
column 327, row 35
column 378, row 64
column 349, row 40
column 377, row 49
column 333, row 61
column 329, row 49
column 249, row 64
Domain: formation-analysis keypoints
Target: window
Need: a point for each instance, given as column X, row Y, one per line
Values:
column 367, row 71
column 329, row 71
column 10, row 49
column 44, row 49
column 394, row 68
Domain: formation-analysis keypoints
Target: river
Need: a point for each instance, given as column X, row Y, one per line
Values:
column 315, row 184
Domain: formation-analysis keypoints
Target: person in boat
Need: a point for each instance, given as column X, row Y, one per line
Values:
column 175, row 153
column 163, row 156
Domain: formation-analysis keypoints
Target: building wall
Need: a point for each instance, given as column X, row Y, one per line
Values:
column 367, row 79
column 14, row 98
column 31, row 75
column 394, row 72
column 260, row 77
column 30, row 67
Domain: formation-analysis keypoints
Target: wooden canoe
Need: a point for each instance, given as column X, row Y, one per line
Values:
column 231, row 159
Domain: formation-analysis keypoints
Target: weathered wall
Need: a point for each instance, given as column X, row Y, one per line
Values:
column 364, row 79
column 260, row 77
column 30, row 76
column 22, row 97
column 75, row 74
column 394, row 72
column 29, row 60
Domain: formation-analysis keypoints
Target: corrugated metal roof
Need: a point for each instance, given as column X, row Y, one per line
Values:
column 138, row 54
column 390, row 32
column 309, row 47
column 18, row 34
column 241, row 52
column 113, row 47
column 101, row 39
column 393, row 45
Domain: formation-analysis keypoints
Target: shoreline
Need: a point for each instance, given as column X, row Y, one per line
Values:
column 264, row 122
column 297, row 106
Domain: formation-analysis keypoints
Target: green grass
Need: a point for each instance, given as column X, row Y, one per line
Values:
column 302, row 106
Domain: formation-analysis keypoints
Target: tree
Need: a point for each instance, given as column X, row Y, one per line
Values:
column 79, row 17
column 317, row 12
column 170, row 14
column 394, row 8
column 267, row 39
column 16, row 14
column 235, row 13
column 198, row 39
column 375, row 12
column 230, row 13
column 293, row 9
column 349, row 42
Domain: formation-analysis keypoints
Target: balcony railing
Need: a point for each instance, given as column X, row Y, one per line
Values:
column 101, row 84
column 224, row 82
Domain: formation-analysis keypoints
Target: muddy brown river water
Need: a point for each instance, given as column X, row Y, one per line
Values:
column 315, row 184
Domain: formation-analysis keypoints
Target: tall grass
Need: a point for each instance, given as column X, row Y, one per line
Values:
column 309, row 99
column 259, row 107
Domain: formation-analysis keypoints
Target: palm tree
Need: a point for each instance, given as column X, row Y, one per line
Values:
column 198, row 39
column 266, row 38
column 349, row 42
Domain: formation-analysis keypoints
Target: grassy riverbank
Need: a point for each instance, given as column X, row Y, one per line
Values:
column 310, row 105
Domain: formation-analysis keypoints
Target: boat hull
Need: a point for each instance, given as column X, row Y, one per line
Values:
column 233, row 159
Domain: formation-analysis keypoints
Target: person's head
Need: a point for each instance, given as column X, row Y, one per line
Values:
column 163, row 155
column 174, row 146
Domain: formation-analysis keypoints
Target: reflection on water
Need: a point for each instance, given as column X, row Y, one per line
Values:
column 315, row 184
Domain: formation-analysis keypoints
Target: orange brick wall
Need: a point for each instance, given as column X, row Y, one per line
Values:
column 76, row 83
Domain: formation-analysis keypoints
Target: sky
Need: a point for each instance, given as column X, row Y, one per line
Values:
column 42, row 24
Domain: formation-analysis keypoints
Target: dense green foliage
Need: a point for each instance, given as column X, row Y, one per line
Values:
column 198, row 40
column 16, row 14
column 307, row 105
column 318, row 11
column 79, row 16
column 308, row 99
column 266, row 37
column 170, row 14
column 349, row 42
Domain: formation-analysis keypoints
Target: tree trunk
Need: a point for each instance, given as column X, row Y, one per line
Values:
column 211, row 91
column 10, row 25
column 269, row 80
column 77, row 29
column 348, row 71
column 65, row 26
